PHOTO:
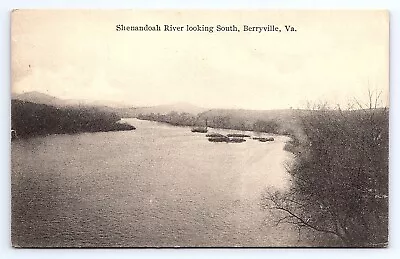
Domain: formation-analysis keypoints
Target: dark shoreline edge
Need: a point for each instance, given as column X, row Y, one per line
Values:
column 30, row 119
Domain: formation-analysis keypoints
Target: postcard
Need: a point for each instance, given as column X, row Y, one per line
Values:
column 199, row 128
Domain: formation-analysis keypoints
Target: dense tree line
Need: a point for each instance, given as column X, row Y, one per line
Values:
column 173, row 118
column 340, row 177
column 215, row 121
column 39, row 119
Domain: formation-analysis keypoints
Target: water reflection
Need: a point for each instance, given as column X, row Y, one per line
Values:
column 156, row 186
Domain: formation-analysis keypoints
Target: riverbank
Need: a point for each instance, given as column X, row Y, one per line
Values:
column 236, row 120
column 31, row 119
column 341, row 163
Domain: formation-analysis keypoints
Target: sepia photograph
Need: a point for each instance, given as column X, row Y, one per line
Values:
column 199, row 128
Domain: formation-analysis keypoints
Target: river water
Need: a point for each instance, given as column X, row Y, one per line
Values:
column 159, row 185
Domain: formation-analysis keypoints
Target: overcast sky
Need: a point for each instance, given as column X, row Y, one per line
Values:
column 333, row 56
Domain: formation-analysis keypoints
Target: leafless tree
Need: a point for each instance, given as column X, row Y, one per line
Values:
column 340, row 177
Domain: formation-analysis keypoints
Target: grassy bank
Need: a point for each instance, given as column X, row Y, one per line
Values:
column 31, row 119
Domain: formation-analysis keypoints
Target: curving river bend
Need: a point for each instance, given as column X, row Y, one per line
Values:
column 156, row 186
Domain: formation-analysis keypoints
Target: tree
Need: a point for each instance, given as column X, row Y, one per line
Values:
column 340, row 179
column 265, row 126
column 222, row 122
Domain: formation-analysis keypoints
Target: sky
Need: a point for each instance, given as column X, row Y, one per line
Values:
column 334, row 57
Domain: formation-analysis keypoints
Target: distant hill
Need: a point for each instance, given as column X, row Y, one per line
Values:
column 42, row 98
column 237, row 118
column 104, row 106
column 39, row 98
column 122, row 110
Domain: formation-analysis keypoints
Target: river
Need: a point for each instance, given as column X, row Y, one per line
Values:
column 159, row 185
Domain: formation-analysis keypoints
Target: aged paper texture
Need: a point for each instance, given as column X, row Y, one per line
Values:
column 186, row 128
